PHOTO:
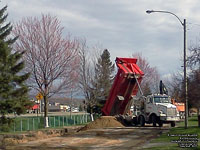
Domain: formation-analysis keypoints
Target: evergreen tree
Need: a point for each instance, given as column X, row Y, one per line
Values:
column 5, row 28
column 103, row 79
column 13, row 91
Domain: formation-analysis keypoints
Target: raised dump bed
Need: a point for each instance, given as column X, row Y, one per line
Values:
column 124, row 88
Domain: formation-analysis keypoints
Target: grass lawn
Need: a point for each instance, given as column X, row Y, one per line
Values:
column 168, row 141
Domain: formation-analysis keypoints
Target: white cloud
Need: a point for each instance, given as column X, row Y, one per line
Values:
column 122, row 26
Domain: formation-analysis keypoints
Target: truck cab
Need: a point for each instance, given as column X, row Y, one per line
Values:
column 158, row 109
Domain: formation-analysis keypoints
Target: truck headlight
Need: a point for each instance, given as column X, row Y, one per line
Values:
column 162, row 113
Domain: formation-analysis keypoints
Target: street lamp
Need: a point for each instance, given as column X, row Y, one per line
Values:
column 183, row 23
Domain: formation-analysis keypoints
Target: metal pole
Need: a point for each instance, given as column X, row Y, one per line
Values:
column 185, row 62
column 21, row 125
column 185, row 77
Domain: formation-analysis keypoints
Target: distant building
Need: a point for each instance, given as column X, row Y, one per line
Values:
column 58, row 104
column 64, row 108
column 54, row 109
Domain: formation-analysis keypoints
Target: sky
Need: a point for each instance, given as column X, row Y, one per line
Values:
column 123, row 26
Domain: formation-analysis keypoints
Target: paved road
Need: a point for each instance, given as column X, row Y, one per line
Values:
column 99, row 139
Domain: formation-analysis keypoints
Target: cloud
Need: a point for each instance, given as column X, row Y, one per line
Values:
column 122, row 26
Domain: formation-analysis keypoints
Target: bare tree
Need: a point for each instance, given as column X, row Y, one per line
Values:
column 151, row 76
column 88, row 61
column 74, row 87
column 49, row 57
column 194, row 57
column 86, row 74
column 175, row 86
column 194, row 88
column 194, row 78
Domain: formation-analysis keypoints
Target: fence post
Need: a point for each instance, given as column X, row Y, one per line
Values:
column 63, row 121
column 74, row 120
column 83, row 118
column 28, row 125
column 66, row 120
column 59, row 120
column 14, row 126
column 49, row 120
column 38, row 125
column 33, row 124
column 21, row 124
column 54, row 120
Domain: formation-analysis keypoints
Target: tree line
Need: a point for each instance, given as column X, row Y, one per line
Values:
column 176, row 85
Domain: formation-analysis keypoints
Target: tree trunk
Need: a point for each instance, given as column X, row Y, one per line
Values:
column 91, row 114
column 46, row 122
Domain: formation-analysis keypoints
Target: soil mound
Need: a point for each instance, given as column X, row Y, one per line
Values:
column 102, row 122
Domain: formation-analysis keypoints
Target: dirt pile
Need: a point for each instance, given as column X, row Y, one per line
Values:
column 102, row 122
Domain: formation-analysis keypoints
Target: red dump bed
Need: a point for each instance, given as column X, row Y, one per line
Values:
column 124, row 87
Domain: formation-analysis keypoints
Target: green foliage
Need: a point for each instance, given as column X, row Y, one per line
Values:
column 103, row 80
column 13, row 91
column 4, row 124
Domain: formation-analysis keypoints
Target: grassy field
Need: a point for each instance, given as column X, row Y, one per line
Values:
column 170, row 140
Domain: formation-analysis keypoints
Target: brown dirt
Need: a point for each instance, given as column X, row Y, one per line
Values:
column 9, row 139
column 102, row 122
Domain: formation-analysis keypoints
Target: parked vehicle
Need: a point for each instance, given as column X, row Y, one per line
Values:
column 75, row 110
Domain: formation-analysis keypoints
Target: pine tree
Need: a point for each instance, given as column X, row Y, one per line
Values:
column 103, row 79
column 5, row 28
column 13, row 91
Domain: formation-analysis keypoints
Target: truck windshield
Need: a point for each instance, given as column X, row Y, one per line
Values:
column 161, row 99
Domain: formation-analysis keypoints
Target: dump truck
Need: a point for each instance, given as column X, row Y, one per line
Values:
column 156, row 108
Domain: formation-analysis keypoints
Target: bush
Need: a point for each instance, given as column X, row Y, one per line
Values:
column 5, row 124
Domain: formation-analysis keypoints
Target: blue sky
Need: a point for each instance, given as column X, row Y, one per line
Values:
column 122, row 26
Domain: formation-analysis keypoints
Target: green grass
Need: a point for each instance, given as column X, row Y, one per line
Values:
column 174, row 133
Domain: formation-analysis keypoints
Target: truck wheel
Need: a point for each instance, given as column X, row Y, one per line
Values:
column 134, row 121
column 154, row 120
column 173, row 124
column 160, row 123
column 141, row 121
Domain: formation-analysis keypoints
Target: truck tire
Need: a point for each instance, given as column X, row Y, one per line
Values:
column 134, row 121
column 160, row 123
column 154, row 120
column 141, row 121
column 173, row 124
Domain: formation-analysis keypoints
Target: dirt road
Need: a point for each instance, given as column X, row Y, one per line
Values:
column 100, row 139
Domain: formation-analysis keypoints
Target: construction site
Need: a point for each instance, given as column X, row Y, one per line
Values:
column 117, row 128
column 99, row 75
column 103, row 133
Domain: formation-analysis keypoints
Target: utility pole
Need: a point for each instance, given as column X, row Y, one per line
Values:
column 183, row 23
column 185, row 77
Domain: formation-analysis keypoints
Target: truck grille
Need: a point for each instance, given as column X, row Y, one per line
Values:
column 171, row 111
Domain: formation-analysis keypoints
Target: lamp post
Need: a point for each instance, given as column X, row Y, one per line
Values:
column 183, row 23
